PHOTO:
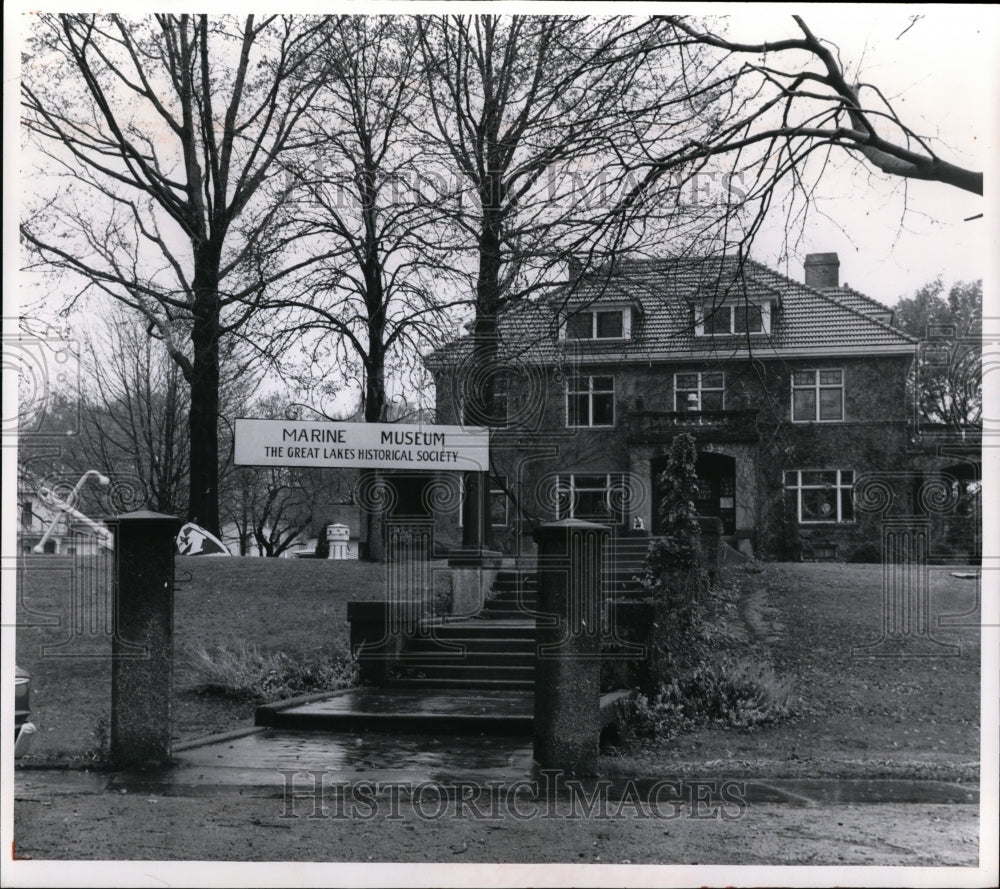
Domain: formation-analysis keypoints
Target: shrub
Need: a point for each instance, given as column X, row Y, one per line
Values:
column 674, row 574
column 244, row 672
column 738, row 694
column 675, row 561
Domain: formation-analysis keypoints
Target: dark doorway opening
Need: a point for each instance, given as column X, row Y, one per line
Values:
column 716, row 489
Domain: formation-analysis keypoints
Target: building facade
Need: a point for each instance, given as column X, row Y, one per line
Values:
column 794, row 392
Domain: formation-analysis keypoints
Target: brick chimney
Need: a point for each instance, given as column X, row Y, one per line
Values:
column 822, row 270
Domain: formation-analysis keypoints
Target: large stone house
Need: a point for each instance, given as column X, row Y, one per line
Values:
column 792, row 391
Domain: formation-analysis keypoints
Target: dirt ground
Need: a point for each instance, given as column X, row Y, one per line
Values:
column 117, row 826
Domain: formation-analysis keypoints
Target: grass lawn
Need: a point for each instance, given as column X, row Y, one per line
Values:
column 878, row 716
column 915, row 716
column 292, row 605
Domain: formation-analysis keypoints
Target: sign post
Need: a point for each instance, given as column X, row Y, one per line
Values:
column 305, row 443
column 398, row 446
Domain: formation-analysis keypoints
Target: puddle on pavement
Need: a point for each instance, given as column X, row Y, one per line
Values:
column 38, row 783
column 271, row 751
column 887, row 790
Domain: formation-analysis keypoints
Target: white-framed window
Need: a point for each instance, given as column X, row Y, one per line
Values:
column 728, row 319
column 700, row 391
column 498, row 502
column 822, row 496
column 500, row 415
column 590, row 401
column 818, row 396
column 594, row 497
column 605, row 323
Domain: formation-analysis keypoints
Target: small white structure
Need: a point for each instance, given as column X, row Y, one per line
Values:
column 337, row 536
column 48, row 521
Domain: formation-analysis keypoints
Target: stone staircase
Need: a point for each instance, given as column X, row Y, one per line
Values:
column 495, row 649
column 623, row 563
column 456, row 676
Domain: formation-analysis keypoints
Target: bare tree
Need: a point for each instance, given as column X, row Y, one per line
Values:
column 272, row 506
column 541, row 118
column 365, row 200
column 134, row 417
column 792, row 98
column 129, row 420
column 164, row 130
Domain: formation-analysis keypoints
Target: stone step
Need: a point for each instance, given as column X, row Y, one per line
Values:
column 472, row 656
column 512, row 593
column 510, row 598
column 529, row 588
column 471, row 672
column 434, row 707
column 522, row 628
column 506, row 612
column 528, row 605
column 471, row 645
column 509, row 601
column 499, row 684
column 513, row 580
column 409, row 709
column 508, row 576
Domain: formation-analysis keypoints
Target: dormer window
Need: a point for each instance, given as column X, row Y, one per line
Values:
column 733, row 319
column 599, row 324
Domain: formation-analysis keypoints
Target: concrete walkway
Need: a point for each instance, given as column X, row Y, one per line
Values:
column 411, row 711
column 480, row 711
column 271, row 762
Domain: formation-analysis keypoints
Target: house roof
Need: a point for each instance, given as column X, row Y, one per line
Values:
column 805, row 321
column 856, row 300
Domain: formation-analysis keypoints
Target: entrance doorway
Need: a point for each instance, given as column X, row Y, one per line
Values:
column 716, row 489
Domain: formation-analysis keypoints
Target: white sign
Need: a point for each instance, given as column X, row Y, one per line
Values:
column 361, row 445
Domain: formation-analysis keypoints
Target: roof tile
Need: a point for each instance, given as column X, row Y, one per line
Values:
column 667, row 291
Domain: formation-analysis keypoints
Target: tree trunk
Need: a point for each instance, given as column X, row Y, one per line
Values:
column 203, row 505
column 375, row 405
column 479, row 409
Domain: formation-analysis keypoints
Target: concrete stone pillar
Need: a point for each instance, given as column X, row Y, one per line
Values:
column 568, row 667
column 142, row 644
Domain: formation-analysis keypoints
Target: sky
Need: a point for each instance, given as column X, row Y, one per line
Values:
column 937, row 64
column 941, row 76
